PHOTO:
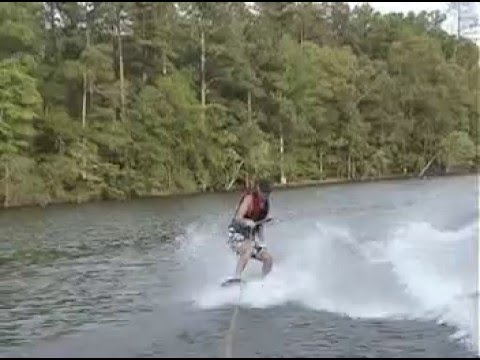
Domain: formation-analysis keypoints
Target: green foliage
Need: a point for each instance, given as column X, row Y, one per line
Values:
column 104, row 100
column 20, row 27
column 19, row 103
column 458, row 149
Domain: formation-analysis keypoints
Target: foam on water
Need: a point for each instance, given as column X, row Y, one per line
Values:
column 418, row 272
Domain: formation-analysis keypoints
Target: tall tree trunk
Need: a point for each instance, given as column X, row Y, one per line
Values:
column 283, row 178
column 382, row 133
column 122, row 79
column 84, row 100
column 84, row 123
column 202, row 73
column 89, row 23
column 321, row 164
column 84, row 118
column 249, row 107
column 250, row 122
column 169, row 175
column 144, row 47
column 362, row 166
column 7, row 189
column 84, row 106
column 339, row 170
column 162, row 36
column 53, row 29
column 424, row 148
column 349, row 166
column 164, row 62
column 302, row 34
column 90, row 95
column 477, row 107
column 459, row 23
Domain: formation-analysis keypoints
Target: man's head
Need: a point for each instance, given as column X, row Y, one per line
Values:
column 264, row 187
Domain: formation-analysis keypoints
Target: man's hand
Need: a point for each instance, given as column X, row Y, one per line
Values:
column 249, row 223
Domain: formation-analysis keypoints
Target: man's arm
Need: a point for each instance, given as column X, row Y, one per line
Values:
column 243, row 210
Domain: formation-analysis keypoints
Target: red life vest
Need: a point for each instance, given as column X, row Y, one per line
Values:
column 259, row 210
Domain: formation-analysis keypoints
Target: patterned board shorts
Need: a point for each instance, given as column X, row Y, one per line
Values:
column 236, row 239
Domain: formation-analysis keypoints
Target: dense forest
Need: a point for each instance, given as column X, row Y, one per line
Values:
column 110, row 100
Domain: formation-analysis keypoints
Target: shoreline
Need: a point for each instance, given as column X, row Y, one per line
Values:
column 275, row 186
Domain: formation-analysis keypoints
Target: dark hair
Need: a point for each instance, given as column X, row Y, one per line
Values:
column 264, row 186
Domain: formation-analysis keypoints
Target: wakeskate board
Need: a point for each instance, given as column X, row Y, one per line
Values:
column 232, row 281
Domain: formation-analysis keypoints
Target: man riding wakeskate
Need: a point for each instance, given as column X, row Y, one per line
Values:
column 246, row 237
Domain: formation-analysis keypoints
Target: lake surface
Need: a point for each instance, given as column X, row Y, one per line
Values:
column 379, row 269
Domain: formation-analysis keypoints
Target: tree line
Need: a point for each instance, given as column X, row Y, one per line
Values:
column 125, row 99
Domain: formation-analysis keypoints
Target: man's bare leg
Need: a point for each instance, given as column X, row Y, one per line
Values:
column 245, row 252
column 267, row 261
